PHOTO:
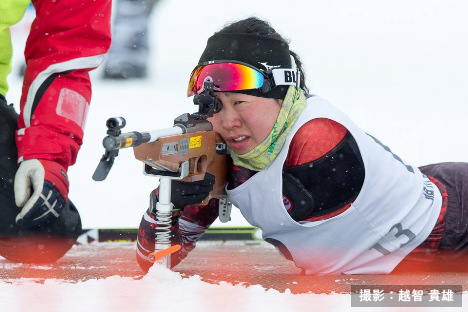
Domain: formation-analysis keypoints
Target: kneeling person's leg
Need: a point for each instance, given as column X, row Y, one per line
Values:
column 40, row 244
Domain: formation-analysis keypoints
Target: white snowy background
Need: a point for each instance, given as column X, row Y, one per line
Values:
column 397, row 68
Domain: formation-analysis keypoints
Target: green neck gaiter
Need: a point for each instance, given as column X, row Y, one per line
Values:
column 263, row 155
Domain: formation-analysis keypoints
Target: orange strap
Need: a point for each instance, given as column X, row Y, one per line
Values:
column 155, row 256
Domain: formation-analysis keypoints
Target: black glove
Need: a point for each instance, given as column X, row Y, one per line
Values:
column 41, row 189
column 191, row 193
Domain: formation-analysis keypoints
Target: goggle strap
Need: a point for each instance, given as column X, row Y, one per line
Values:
column 286, row 76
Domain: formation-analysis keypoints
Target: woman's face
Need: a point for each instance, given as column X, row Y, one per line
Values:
column 245, row 120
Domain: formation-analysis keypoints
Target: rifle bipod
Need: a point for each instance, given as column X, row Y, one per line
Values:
column 164, row 207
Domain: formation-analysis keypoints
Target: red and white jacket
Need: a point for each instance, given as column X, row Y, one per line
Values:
column 67, row 39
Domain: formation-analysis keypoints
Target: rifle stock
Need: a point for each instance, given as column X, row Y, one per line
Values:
column 199, row 149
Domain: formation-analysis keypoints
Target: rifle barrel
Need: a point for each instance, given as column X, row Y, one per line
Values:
column 132, row 139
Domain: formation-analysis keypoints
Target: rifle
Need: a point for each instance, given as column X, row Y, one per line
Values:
column 185, row 152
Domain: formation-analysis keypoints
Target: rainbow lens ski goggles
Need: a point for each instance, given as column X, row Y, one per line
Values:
column 236, row 76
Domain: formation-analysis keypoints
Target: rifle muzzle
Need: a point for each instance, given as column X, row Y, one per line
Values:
column 130, row 139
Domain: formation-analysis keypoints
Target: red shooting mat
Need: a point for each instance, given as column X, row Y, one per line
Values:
column 236, row 262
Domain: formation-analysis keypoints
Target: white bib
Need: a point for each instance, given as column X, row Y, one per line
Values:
column 395, row 211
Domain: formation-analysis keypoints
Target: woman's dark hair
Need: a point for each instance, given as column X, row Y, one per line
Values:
column 256, row 26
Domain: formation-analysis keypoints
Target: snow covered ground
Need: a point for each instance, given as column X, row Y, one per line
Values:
column 397, row 68
column 163, row 290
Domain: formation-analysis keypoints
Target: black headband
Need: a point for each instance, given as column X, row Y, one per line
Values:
column 261, row 52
